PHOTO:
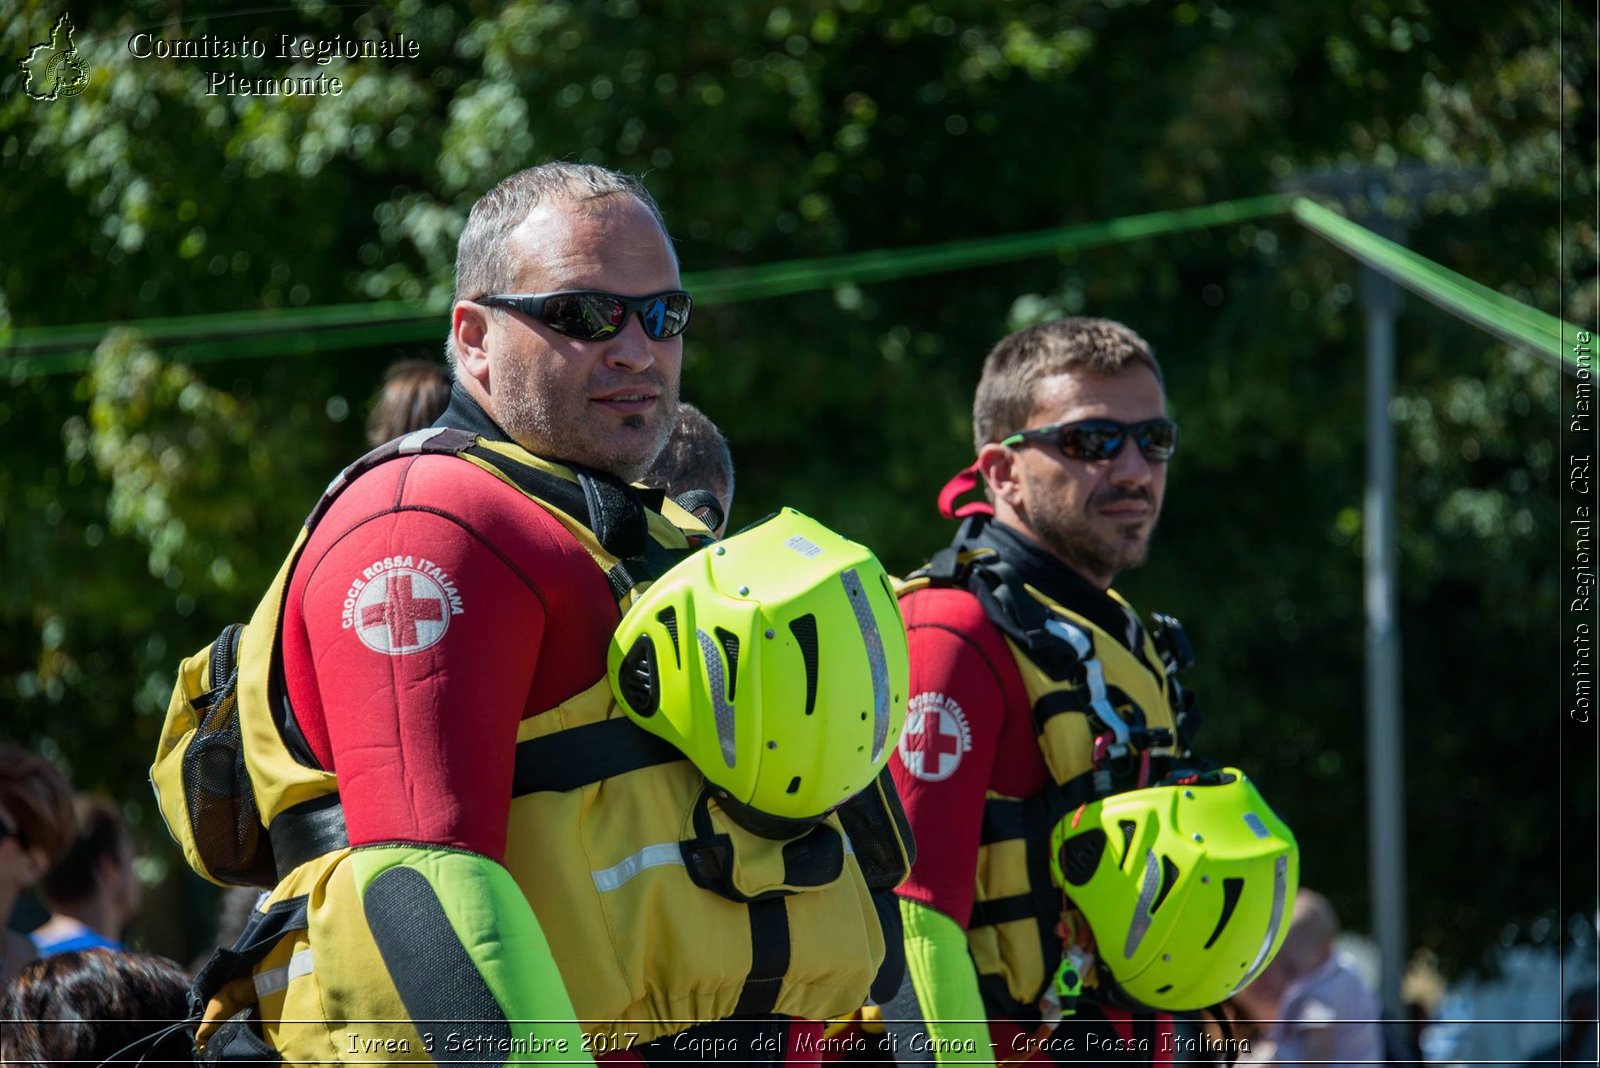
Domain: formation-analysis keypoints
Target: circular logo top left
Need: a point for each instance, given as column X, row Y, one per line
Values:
column 66, row 75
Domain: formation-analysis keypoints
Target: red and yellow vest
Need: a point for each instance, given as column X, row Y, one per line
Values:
column 1107, row 717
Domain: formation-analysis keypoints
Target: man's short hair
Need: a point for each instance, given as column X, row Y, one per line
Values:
column 696, row 456
column 1015, row 367
column 484, row 262
column 101, row 834
column 37, row 796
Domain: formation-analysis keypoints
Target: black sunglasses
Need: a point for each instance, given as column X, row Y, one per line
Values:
column 590, row 315
column 1093, row 440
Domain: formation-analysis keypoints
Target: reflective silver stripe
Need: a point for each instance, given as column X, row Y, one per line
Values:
column 275, row 979
column 876, row 661
column 1135, row 630
column 412, row 442
column 1280, row 894
column 1096, row 675
column 1257, row 828
column 651, row 856
column 1141, row 911
column 712, row 655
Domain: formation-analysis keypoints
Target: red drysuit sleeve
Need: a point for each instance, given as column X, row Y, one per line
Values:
column 417, row 637
column 963, row 680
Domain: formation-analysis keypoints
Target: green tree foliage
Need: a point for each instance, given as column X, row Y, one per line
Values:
column 145, row 503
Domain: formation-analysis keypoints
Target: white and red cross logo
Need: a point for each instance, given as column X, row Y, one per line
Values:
column 401, row 611
column 935, row 738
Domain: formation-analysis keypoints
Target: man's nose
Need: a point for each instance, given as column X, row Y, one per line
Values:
column 1129, row 467
column 630, row 349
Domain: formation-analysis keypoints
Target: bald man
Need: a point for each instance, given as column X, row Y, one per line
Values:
column 1328, row 1014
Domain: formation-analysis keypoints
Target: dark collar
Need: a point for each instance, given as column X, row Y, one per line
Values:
column 1046, row 573
column 464, row 413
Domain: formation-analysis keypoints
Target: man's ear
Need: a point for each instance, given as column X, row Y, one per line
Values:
column 469, row 330
column 998, row 466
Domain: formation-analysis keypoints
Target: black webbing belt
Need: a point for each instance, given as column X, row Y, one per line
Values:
column 579, row 756
column 307, row 831
column 564, row 761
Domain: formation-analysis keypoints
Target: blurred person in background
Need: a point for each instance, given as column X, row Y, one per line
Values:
column 93, row 890
column 696, row 457
column 1250, row 1014
column 96, row 1007
column 36, row 827
column 414, row 394
column 1327, row 1013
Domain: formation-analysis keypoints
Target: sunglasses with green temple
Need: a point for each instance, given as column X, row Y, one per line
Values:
column 1093, row 440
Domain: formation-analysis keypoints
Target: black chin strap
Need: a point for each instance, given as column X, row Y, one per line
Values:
column 696, row 499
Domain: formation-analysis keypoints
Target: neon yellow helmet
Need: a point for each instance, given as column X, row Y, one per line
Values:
column 1186, row 888
column 774, row 660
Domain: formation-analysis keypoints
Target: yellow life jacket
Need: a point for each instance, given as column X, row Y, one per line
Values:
column 1108, row 717
column 659, row 911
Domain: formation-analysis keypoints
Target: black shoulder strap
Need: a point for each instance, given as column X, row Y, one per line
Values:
column 972, row 563
column 433, row 440
column 614, row 511
column 692, row 501
column 609, row 507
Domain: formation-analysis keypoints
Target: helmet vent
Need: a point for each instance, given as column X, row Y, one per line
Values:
column 668, row 617
column 1232, row 890
column 1080, row 856
column 730, row 645
column 1169, row 876
column 1164, row 989
column 794, row 785
column 804, row 630
column 637, row 678
column 1128, row 827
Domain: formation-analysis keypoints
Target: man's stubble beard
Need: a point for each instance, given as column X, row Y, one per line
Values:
column 1070, row 537
column 534, row 425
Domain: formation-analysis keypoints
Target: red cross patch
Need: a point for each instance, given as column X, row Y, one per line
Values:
column 401, row 611
column 935, row 737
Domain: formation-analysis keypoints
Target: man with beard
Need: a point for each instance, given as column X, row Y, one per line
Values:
column 1035, row 689
column 494, row 878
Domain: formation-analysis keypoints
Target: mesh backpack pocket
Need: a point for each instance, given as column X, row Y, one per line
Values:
column 199, row 773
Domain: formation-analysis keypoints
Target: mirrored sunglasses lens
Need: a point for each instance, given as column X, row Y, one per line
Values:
column 1158, row 441
column 666, row 317
column 586, row 316
column 1092, row 441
